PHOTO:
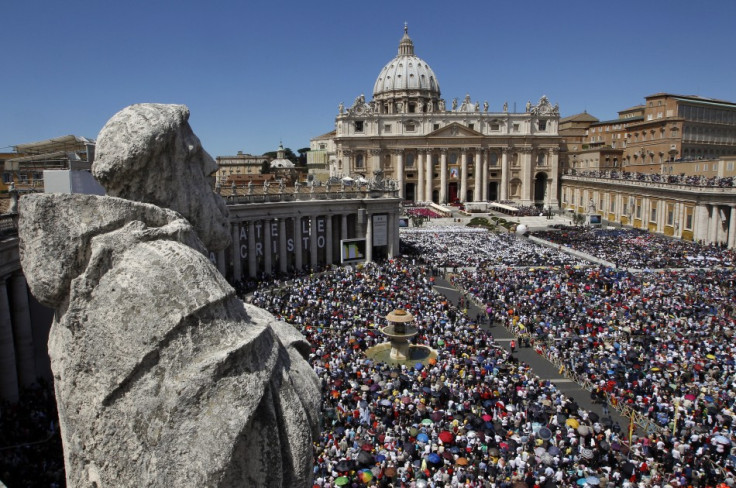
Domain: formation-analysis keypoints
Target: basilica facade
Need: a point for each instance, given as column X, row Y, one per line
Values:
column 445, row 152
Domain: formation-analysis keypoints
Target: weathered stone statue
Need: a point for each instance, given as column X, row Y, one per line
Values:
column 163, row 376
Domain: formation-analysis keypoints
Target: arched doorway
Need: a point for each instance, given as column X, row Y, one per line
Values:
column 540, row 188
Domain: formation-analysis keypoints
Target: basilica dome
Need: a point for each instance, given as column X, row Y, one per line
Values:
column 406, row 72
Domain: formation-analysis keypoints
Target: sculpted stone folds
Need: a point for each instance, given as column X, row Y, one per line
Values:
column 163, row 376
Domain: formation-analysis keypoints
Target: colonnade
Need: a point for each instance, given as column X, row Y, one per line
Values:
column 302, row 240
column 692, row 216
column 17, row 356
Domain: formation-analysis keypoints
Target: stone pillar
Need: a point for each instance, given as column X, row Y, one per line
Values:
column 283, row 255
column 375, row 160
column 328, row 239
column 477, row 177
column 443, row 176
column 400, row 173
column 392, row 224
column 368, row 238
column 484, row 181
column 554, row 163
column 732, row 228
column 298, row 252
column 505, row 174
column 463, row 176
column 527, row 177
column 428, row 179
column 700, row 224
column 8, row 373
column 396, row 235
column 237, row 269
column 715, row 221
column 313, row 256
column 344, row 226
column 267, row 248
column 421, row 173
column 22, row 332
column 252, row 262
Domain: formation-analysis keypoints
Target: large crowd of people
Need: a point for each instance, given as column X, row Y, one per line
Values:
column 653, row 343
column 639, row 249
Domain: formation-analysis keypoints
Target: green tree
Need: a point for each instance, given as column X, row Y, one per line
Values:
column 303, row 156
column 265, row 167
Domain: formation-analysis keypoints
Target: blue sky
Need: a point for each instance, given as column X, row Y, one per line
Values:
column 254, row 73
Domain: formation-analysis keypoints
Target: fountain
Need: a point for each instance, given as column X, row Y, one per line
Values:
column 398, row 349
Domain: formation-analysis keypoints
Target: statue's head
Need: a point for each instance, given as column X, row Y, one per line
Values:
column 149, row 153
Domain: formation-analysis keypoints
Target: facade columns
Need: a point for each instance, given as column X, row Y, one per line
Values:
column 395, row 232
column 8, row 373
column 484, row 189
column 732, row 228
column 443, row 176
column 313, row 242
column 368, row 238
column 477, row 177
column 463, row 176
column 252, row 263
column 298, row 251
column 267, row 247
column 237, row 269
column 701, row 222
column 400, row 171
column 392, row 226
column 428, row 179
column 375, row 160
column 22, row 331
column 527, row 179
column 328, row 239
column 283, row 256
column 420, row 182
column 504, row 174
column 553, row 160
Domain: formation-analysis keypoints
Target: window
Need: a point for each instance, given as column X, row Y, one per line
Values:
column 542, row 125
column 471, row 126
column 436, row 126
column 689, row 219
column 516, row 127
column 729, row 166
column 410, row 127
column 358, row 126
column 495, row 126
column 494, row 159
column 412, row 108
column 612, row 205
column 359, row 161
column 322, row 147
column 409, row 160
column 670, row 215
column 638, row 210
column 653, row 214
column 7, row 177
column 387, row 128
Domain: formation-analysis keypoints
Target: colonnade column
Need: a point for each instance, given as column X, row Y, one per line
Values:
column 478, row 177
column 298, row 252
column 396, row 236
column 420, row 182
column 368, row 238
column 700, row 232
column 22, row 331
column 267, row 247
column 252, row 263
column 392, row 229
column 463, row 176
column 328, row 239
column 313, row 241
column 400, row 170
column 344, row 226
column 732, row 228
column 283, row 256
column 484, row 189
column 8, row 373
column 237, row 269
column 713, row 227
column 443, row 176
column 504, row 174
column 428, row 179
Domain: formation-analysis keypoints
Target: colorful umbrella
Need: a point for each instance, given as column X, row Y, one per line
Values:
column 365, row 475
